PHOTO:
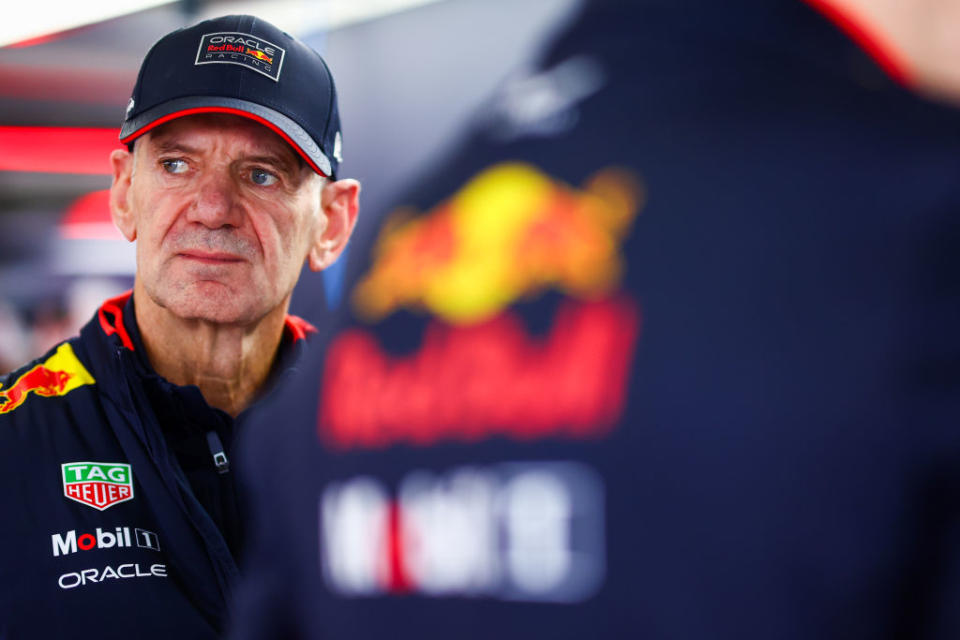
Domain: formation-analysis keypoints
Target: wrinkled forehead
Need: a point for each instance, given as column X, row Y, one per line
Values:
column 217, row 131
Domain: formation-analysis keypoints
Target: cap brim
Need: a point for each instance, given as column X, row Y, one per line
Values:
column 280, row 124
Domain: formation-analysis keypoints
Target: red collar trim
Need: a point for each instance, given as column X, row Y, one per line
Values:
column 114, row 324
column 110, row 315
column 297, row 327
column 873, row 44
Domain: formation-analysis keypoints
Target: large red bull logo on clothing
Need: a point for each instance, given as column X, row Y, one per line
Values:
column 510, row 234
column 490, row 379
column 58, row 375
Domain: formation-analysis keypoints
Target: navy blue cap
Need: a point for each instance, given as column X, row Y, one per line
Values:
column 245, row 66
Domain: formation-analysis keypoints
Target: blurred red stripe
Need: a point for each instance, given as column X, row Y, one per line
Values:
column 57, row 149
column 32, row 42
column 93, row 207
column 88, row 217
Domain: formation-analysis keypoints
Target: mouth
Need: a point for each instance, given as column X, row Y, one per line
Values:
column 210, row 257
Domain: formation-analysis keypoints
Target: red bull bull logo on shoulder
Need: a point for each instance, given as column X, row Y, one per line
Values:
column 56, row 376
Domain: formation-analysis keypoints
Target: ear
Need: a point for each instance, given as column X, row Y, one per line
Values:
column 120, row 209
column 340, row 202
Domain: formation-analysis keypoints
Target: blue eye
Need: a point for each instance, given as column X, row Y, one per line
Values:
column 174, row 166
column 262, row 178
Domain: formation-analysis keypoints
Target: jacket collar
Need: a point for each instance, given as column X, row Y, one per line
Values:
column 117, row 333
column 110, row 315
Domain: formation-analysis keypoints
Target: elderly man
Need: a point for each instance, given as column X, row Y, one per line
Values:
column 122, row 516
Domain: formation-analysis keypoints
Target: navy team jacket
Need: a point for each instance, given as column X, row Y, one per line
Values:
column 103, row 535
column 668, row 349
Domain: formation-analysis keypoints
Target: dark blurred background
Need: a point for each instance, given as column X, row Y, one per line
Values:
column 410, row 74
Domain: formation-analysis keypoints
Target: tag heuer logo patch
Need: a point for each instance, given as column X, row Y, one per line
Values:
column 97, row 484
column 243, row 49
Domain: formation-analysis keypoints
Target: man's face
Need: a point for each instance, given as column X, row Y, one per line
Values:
column 225, row 214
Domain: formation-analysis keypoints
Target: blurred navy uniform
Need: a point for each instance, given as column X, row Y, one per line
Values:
column 667, row 350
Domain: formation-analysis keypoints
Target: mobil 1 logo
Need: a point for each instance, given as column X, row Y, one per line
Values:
column 65, row 544
column 97, row 484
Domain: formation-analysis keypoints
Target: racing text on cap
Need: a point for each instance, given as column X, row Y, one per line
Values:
column 243, row 49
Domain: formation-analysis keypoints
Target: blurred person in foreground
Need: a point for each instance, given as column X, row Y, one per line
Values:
column 668, row 349
column 122, row 511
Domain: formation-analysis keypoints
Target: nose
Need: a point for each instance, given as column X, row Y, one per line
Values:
column 216, row 204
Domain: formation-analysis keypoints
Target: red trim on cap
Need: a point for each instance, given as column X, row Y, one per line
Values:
column 114, row 306
column 236, row 112
column 298, row 327
column 874, row 45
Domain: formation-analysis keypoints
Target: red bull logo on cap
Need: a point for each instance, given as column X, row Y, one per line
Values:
column 260, row 55
column 510, row 232
column 58, row 375
column 241, row 49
